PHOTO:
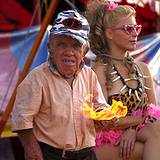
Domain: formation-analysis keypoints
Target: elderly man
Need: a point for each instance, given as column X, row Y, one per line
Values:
column 46, row 113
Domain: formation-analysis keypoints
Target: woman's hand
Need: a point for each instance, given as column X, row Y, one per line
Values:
column 127, row 143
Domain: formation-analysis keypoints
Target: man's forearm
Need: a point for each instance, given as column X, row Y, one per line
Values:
column 31, row 147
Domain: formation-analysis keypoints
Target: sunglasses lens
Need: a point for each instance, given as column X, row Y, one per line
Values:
column 138, row 28
column 130, row 29
column 72, row 23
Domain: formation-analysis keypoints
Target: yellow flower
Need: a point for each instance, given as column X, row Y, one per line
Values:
column 116, row 110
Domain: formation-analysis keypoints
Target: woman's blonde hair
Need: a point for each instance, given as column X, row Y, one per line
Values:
column 102, row 15
column 100, row 18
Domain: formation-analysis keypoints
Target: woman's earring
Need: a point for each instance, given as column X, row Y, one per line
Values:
column 108, row 33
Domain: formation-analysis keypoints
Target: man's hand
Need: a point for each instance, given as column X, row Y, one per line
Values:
column 33, row 152
column 31, row 146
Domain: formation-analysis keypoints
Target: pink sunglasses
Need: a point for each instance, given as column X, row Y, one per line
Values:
column 130, row 28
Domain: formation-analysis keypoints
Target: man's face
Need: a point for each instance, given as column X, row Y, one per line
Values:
column 67, row 53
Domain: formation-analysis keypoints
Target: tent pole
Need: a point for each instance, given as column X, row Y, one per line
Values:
column 46, row 20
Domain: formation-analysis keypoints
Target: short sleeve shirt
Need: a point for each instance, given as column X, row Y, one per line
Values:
column 46, row 103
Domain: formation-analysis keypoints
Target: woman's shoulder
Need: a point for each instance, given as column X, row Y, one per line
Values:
column 98, row 67
column 144, row 67
column 140, row 63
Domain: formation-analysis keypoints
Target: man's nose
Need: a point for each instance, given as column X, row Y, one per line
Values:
column 69, row 50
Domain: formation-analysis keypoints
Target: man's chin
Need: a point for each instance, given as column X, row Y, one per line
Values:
column 70, row 74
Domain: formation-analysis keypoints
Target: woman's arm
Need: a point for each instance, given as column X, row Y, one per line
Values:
column 128, row 121
column 148, row 82
column 121, row 123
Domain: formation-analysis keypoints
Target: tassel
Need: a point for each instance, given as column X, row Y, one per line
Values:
column 116, row 79
column 125, row 86
column 112, row 73
column 130, row 91
column 136, row 93
column 147, row 88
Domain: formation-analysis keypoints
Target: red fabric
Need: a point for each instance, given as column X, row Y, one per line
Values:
column 145, row 16
column 13, row 15
column 84, row 1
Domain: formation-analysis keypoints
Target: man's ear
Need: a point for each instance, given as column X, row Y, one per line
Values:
column 49, row 50
column 86, row 48
column 108, row 33
column 50, row 39
column 48, row 46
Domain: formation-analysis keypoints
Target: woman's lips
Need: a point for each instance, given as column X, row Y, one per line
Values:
column 133, row 42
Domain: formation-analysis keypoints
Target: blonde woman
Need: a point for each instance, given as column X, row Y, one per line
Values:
column 114, row 33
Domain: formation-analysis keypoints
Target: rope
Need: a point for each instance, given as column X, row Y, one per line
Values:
column 127, row 60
